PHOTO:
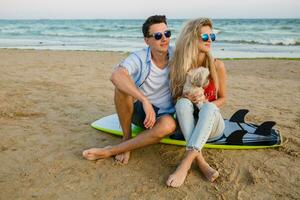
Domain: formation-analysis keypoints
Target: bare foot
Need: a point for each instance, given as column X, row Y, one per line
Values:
column 210, row 173
column 177, row 178
column 123, row 157
column 96, row 153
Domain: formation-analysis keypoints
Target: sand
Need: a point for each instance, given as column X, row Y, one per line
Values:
column 49, row 98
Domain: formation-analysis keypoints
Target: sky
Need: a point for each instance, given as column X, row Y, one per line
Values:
column 140, row 9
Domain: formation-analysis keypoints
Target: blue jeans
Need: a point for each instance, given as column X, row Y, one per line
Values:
column 208, row 127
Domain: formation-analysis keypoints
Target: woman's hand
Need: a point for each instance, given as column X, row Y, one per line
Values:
column 195, row 97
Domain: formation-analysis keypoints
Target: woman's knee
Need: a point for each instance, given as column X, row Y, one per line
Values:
column 184, row 105
column 209, row 106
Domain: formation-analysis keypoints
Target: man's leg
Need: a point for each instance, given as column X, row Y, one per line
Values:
column 124, row 108
column 164, row 126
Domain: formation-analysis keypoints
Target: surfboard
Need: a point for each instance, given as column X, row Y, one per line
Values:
column 238, row 134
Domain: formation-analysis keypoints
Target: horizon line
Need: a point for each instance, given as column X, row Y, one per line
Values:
column 139, row 18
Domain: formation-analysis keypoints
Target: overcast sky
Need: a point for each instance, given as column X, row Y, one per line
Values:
column 132, row 9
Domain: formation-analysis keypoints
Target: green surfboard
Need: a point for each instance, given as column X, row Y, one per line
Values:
column 237, row 133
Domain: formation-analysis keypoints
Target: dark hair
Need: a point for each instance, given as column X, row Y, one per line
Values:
column 155, row 19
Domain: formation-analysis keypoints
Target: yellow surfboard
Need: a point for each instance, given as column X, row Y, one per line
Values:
column 243, row 135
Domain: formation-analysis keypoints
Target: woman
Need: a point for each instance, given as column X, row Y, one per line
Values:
column 193, row 50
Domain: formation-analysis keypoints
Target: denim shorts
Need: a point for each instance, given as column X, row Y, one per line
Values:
column 139, row 114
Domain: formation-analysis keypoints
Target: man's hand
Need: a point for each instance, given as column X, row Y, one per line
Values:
column 150, row 114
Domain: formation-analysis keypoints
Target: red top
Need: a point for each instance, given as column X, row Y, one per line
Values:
column 210, row 91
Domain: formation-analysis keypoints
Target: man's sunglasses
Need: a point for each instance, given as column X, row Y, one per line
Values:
column 205, row 37
column 159, row 35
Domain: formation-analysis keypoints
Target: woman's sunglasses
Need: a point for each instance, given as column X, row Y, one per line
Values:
column 205, row 37
column 159, row 35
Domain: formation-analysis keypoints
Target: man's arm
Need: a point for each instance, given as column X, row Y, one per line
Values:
column 122, row 81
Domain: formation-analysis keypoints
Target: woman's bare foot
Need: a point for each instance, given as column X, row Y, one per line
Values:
column 96, row 153
column 177, row 178
column 210, row 173
column 123, row 157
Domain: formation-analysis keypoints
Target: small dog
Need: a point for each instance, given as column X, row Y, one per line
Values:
column 196, row 80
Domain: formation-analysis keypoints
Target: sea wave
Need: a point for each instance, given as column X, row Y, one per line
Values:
column 68, row 34
column 287, row 42
column 88, row 35
column 99, row 30
column 286, row 28
column 14, row 32
column 217, row 31
column 59, row 28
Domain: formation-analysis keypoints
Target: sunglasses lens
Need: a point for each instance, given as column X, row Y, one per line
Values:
column 157, row 36
column 213, row 37
column 205, row 37
column 168, row 34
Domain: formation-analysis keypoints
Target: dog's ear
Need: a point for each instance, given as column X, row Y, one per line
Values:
column 204, row 76
column 196, row 78
column 205, row 72
column 191, row 74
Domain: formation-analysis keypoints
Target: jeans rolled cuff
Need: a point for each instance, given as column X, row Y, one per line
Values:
column 193, row 148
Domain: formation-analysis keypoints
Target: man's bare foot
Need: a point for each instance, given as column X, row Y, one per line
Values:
column 210, row 173
column 96, row 153
column 123, row 157
column 177, row 178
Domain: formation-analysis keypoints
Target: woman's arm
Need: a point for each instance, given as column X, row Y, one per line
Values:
column 222, row 76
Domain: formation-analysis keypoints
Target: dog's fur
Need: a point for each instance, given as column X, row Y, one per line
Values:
column 196, row 80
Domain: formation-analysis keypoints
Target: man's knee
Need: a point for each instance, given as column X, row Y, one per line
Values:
column 124, row 105
column 166, row 125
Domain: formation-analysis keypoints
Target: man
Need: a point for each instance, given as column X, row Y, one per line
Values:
column 142, row 93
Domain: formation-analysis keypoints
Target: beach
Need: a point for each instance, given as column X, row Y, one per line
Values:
column 50, row 98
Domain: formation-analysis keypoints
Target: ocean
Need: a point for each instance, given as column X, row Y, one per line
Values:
column 235, row 37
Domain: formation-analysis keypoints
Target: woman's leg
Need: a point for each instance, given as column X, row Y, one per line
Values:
column 209, row 126
column 184, row 113
column 177, row 178
column 210, row 173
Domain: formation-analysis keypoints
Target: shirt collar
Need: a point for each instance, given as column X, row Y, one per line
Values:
column 148, row 58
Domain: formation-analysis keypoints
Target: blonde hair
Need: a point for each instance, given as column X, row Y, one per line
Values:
column 187, row 54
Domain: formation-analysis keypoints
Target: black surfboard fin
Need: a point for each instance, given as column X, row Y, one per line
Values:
column 236, row 138
column 239, row 116
column 265, row 128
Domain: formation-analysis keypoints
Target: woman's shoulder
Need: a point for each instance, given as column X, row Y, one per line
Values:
column 219, row 65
